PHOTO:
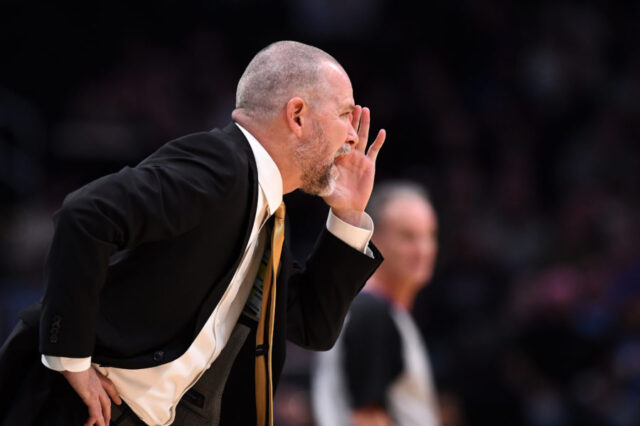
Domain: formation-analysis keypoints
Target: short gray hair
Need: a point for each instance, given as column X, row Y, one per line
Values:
column 391, row 190
column 277, row 73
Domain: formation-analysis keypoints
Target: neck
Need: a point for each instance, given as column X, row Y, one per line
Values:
column 276, row 141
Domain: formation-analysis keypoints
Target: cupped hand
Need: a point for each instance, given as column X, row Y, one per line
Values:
column 357, row 171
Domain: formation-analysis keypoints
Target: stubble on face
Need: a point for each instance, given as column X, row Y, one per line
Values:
column 319, row 172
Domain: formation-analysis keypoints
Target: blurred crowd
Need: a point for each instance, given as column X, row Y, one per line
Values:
column 521, row 118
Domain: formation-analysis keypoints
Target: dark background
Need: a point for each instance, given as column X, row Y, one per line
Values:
column 520, row 117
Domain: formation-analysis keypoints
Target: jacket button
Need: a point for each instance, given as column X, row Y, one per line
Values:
column 158, row 356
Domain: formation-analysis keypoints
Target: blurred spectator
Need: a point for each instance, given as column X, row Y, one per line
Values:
column 378, row 373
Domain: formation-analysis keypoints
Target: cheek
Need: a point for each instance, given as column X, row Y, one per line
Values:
column 405, row 254
column 339, row 135
column 322, row 152
column 418, row 254
column 431, row 249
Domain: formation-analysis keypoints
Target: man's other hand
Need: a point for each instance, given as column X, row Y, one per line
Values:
column 97, row 392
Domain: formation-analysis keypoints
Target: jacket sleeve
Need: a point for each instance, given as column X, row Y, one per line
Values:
column 319, row 295
column 164, row 196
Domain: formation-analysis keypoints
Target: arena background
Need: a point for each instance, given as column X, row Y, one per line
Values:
column 522, row 118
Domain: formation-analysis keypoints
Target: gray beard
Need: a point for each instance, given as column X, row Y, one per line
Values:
column 318, row 179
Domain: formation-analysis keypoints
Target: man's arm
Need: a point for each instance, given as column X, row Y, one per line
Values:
column 154, row 201
column 165, row 196
column 320, row 294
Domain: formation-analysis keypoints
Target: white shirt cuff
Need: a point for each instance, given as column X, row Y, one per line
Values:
column 59, row 363
column 356, row 237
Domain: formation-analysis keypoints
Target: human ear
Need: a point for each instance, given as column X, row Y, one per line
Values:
column 296, row 115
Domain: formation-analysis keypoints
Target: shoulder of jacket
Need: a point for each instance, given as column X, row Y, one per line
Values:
column 203, row 146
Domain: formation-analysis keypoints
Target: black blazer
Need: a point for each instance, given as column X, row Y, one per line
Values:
column 140, row 259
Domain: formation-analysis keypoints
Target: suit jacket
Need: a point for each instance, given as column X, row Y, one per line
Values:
column 140, row 259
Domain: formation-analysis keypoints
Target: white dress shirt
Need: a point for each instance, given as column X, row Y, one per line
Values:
column 153, row 393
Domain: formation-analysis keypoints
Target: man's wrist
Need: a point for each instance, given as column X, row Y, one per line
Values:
column 352, row 217
column 66, row 364
column 356, row 236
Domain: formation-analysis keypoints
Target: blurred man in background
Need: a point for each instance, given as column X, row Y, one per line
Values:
column 379, row 373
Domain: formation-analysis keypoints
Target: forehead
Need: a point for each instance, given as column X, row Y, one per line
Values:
column 409, row 212
column 338, row 85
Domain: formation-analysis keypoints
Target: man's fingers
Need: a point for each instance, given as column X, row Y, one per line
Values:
column 90, row 386
column 110, row 388
column 105, row 403
column 95, row 415
column 363, row 131
column 356, row 113
column 374, row 149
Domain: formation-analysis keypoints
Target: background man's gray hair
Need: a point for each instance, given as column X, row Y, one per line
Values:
column 387, row 191
column 277, row 73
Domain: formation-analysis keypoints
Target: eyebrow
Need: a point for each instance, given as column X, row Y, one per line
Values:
column 349, row 107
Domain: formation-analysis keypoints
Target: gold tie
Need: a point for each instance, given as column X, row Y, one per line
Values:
column 264, row 385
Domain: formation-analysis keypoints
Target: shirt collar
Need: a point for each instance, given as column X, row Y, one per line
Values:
column 269, row 177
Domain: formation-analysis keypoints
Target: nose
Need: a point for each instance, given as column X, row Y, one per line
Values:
column 352, row 136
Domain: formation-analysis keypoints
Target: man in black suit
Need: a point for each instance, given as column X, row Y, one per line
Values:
column 154, row 272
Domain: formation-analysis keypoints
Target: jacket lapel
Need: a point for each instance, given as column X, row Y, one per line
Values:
column 233, row 132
